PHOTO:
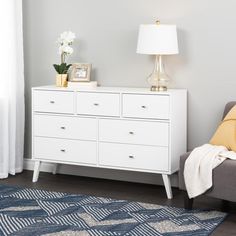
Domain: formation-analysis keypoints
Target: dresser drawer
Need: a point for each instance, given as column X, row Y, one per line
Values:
column 134, row 132
column 146, row 106
column 101, row 104
column 65, row 127
column 65, row 150
column 133, row 156
column 53, row 101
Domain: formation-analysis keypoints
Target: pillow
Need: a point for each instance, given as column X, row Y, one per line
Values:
column 225, row 134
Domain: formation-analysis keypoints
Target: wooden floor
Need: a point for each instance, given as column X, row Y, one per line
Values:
column 124, row 190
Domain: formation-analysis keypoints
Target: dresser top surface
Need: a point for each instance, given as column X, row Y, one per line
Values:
column 110, row 89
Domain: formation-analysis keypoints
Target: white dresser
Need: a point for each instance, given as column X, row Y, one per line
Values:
column 118, row 128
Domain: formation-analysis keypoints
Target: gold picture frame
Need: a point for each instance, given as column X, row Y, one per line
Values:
column 80, row 72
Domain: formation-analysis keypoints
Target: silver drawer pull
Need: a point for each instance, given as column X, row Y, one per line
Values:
column 131, row 157
column 96, row 104
column 63, row 127
column 52, row 102
column 131, row 132
column 63, row 150
column 143, row 107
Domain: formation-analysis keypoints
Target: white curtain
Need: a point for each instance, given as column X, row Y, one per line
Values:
column 11, row 88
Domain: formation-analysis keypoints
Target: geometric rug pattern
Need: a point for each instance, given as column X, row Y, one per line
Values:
column 37, row 212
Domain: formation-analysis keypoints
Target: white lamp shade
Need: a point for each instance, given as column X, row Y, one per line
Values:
column 157, row 40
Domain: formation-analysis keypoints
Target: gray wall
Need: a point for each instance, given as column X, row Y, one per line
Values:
column 106, row 33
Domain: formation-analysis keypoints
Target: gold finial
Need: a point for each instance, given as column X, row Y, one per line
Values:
column 158, row 22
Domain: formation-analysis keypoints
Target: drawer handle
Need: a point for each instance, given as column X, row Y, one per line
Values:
column 144, row 107
column 131, row 132
column 63, row 150
column 131, row 157
column 52, row 102
column 96, row 104
column 63, row 127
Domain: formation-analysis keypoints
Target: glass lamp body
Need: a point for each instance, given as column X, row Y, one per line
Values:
column 158, row 79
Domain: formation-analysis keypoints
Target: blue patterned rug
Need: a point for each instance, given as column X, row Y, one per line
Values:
column 37, row 212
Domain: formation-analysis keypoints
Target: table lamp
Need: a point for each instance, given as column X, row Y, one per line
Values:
column 158, row 39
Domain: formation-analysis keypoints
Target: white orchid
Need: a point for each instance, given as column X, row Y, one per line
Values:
column 66, row 38
column 65, row 41
column 66, row 49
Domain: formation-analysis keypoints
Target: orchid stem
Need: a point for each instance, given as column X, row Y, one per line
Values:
column 63, row 58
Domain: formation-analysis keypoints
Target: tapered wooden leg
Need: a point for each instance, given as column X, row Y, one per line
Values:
column 54, row 168
column 166, row 180
column 188, row 202
column 36, row 171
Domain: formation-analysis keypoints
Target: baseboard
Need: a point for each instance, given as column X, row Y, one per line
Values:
column 130, row 176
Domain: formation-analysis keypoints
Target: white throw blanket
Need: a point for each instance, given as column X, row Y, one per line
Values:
column 199, row 165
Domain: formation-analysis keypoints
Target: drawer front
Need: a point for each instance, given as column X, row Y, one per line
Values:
column 146, row 106
column 53, row 101
column 134, row 132
column 65, row 150
column 65, row 127
column 133, row 156
column 101, row 104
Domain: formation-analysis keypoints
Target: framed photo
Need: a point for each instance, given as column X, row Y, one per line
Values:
column 80, row 72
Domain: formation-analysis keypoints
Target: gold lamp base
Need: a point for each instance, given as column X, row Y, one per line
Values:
column 158, row 88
